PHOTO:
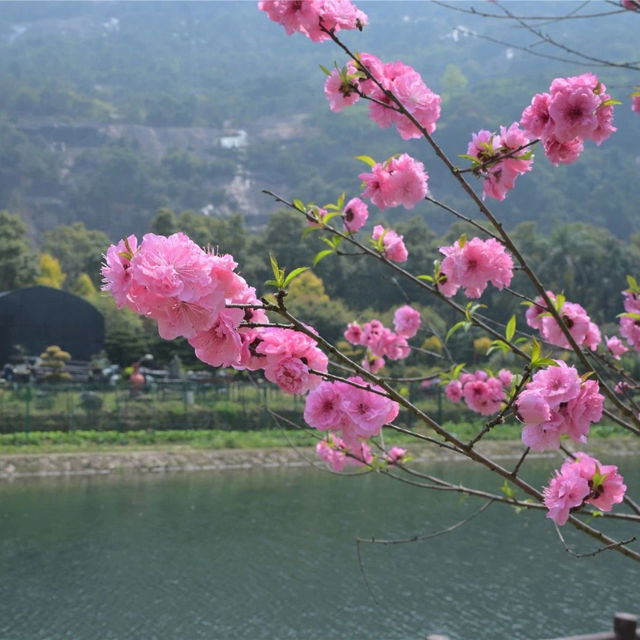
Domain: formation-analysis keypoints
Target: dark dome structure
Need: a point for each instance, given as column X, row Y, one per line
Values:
column 37, row 317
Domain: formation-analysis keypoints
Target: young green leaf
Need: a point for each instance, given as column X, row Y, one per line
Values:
column 367, row 160
column 294, row 274
column 511, row 328
column 321, row 255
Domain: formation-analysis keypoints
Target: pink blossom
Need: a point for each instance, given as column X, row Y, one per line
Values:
column 332, row 451
column 572, row 110
column 373, row 364
column 532, row 407
column 482, row 397
column 616, row 347
column 584, row 409
column 406, row 321
column 562, row 152
column 454, row 391
column 582, row 329
column 500, row 159
column 536, row 120
column 354, row 334
column 635, row 100
column 323, row 407
column 394, row 247
column 308, row 16
column 575, row 109
column 400, row 181
column 557, row 384
column 116, row 272
column 339, row 92
column 543, row 436
column 369, row 411
column 288, row 357
column 506, row 377
column 606, row 485
column 355, row 215
column 565, row 492
column 474, row 264
column 221, row 345
column 395, row 455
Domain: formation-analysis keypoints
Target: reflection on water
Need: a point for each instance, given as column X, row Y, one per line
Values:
column 272, row 555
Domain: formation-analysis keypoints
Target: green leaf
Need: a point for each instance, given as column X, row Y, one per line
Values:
column 325, row 69
column 273, row 283
column 330, row 216
column 511, row 328
column 298, row 204
column 629, row 314
column 507, row 490
column 462, row 240
column 456, row 327
column 468, row 157
column 606, row 103
column 294, row 274
column 341, row 202
column 310, row 229
column 535, row 350
column 426, row 277
column 321, row 255
column 543, row 362
column 367, row 160
column 633, row 285
column 458, row 368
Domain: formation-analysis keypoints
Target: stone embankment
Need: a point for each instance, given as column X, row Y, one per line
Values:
column 187, row 459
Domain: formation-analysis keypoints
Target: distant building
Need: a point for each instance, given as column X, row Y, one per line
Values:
column 37, row 317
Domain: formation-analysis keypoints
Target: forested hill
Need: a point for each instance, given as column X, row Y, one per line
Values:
column 109, row 111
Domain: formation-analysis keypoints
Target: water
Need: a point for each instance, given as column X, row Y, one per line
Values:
column 272, row 555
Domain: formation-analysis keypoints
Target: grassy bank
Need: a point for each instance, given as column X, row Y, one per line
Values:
column 107, row 441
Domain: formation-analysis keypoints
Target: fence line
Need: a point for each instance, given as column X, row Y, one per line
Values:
column 159, row 405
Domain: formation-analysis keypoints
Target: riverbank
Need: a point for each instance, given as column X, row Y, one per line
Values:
column 183, row 458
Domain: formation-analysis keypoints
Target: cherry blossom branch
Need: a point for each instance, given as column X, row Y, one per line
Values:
column 523, row 457
column 420, row 283
column 461, row 216
column 427, row 536
column 499, row 418
column 580, row 54
column 570, row 16
column 506, row 239
column 613, row 545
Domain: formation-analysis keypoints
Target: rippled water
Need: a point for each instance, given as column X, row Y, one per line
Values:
column 272, row 555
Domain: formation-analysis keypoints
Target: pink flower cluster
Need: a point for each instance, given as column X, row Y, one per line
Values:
column 632, row 5
column 392, row 243
column 616, row 347
column 630, row 326
column 308, row 16
column 575, row 109
column 472, row 265
column 381, row 342
column 398, row 181
column 186, row 290
column 482, row 393
column 355, row 215
column 583, row 480
column 584, row 331
column 335, row 452
column 357, row 413
column 556, row 402
column 490, row 152
column 344, row 87
column 635, row 96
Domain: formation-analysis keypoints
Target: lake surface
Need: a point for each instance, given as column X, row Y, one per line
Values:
column 272, row 555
